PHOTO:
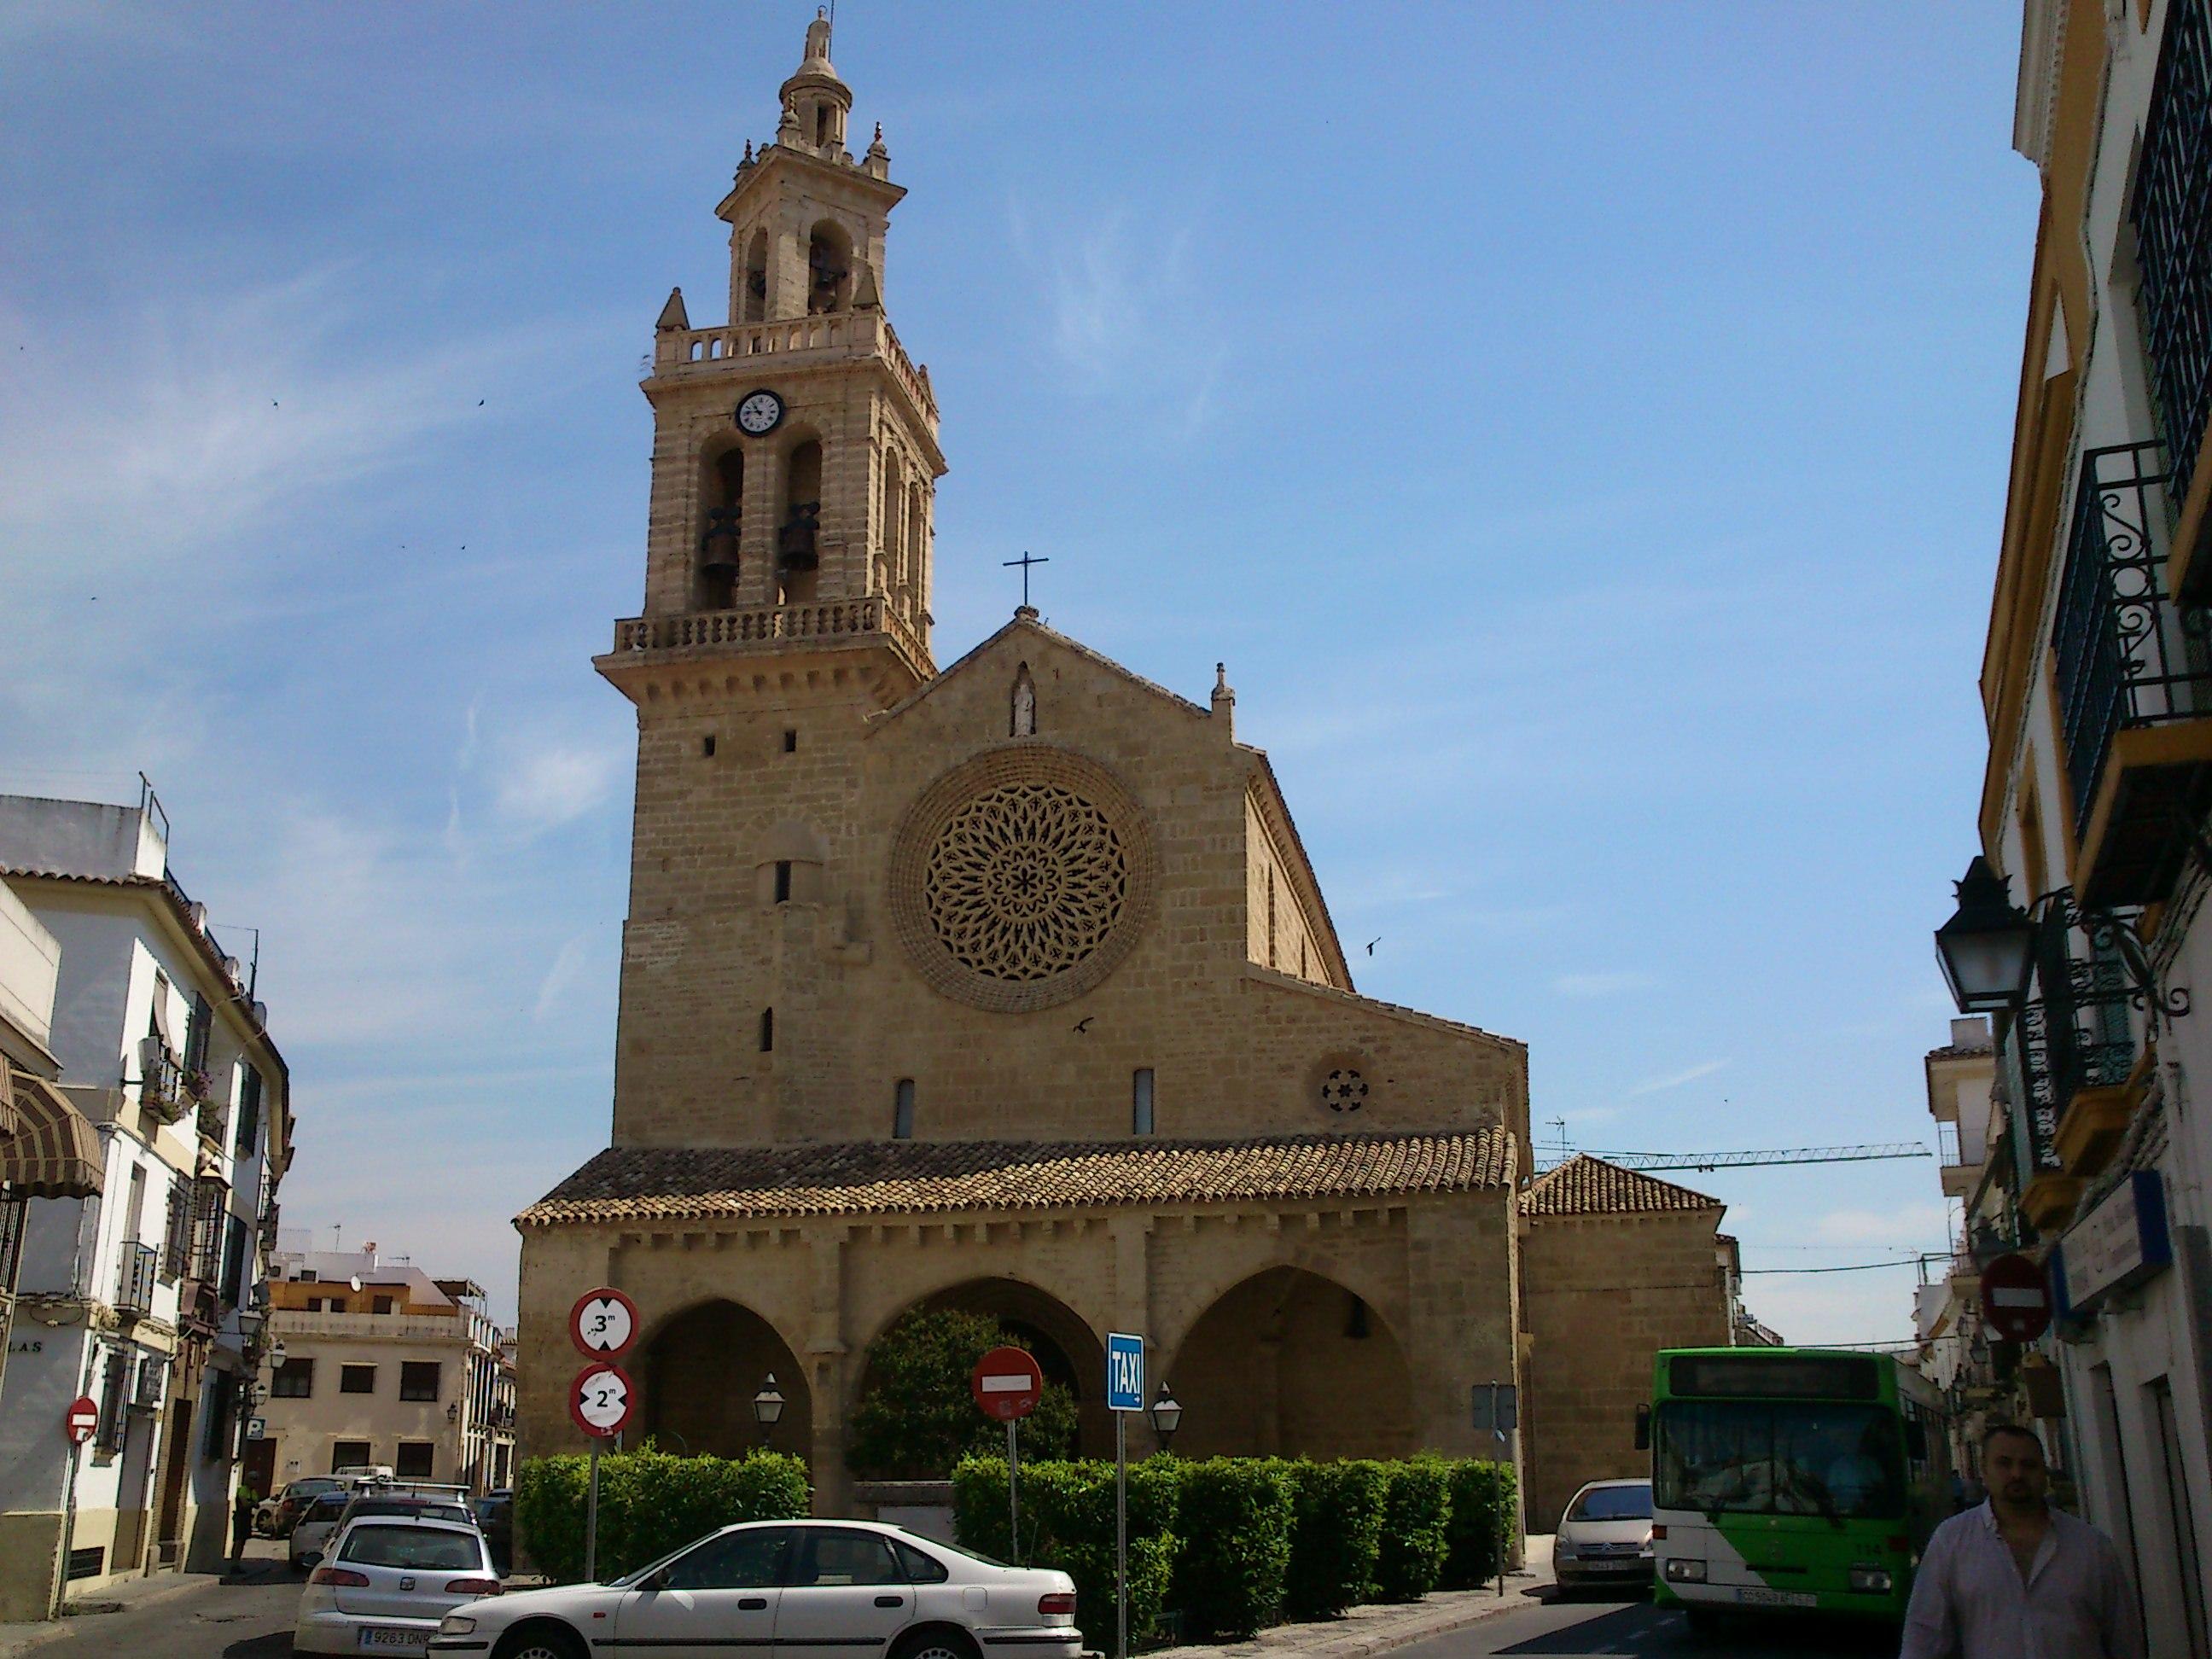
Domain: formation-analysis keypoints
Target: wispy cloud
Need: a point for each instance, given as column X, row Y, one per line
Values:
column 1676, row 1079
column 1906, row 1226
column 567, row 967
column 544, row 788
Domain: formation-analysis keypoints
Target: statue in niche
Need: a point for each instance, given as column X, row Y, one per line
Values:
column 1024, row 719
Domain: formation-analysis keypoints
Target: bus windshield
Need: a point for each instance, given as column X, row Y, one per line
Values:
column 1779, row 1457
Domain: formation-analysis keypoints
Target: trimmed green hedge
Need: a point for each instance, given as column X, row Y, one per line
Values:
column 1416, row 1502
column 1236, row 1519
column 1067, row 1522
column 650, row 1502
column 1235, row 1544
column 1336, row 1535
column 1485, row 1514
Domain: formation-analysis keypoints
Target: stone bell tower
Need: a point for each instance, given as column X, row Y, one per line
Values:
column 795, row 454
column 786, row 599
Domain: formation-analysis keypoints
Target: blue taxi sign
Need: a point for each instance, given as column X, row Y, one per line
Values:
column 1124, row 1372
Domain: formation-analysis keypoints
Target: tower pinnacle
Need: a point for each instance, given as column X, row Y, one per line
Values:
column 814, row 101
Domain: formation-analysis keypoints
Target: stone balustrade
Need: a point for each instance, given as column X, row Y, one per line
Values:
column 769, row 624
column 821, row 334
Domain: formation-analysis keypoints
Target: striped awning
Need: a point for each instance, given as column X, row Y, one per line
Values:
column 48, row 1149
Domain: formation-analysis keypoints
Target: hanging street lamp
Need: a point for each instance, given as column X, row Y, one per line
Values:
column 1167, row 1416
column 768, row 1408
column 1986, row 946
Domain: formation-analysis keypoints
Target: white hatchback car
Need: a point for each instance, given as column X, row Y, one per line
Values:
column 387, row 1582
column 323, row 1518
column 811, row 1589
column 1605, row 1535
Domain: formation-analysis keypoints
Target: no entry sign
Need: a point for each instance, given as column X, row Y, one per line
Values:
column 2015, row 1299
column 603, row 1324
column 82, row 1420
column 1006, row 1384
column 600, row 1399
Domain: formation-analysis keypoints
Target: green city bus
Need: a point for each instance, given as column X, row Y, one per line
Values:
column 1795, row 1479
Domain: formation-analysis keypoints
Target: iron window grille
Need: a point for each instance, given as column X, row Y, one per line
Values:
column 114, row 1390
column 176, row 1235
column 2172, row 220
column 2073, row 1032
column 153, row 1382
column 134, row 1279
column 13, row 1211
column 2127, row 656
column 210, row 1205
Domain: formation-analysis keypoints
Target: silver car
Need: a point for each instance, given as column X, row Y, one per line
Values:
column 324, row 1517
column 388, row 1581
column 1605, row 1536
column 810, row 1590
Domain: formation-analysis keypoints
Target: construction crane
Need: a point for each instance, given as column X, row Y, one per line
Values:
column 1709, row 1161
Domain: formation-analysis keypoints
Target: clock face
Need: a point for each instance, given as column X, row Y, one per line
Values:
column 758, row 414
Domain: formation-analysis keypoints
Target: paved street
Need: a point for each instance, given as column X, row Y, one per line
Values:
column 247, row 1616
column 1592, row 1627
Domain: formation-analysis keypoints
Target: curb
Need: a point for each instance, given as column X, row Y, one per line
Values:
column 28, row 1635
column 1332, row 1640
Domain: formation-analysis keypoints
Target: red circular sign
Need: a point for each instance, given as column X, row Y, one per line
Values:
column 601, row 1399
column 82, row 1420
column 1006, row 1384
column 2015, row 1299
column 603, row 1324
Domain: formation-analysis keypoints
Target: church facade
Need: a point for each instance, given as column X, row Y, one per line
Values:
column 1006, row 986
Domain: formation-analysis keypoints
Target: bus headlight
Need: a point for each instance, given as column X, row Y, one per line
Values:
column 1680, row 1571
column 1870, row 1581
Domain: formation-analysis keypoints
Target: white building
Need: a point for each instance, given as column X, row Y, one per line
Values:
column 2096, row 685
column 147, row 1296
column 384, row 1364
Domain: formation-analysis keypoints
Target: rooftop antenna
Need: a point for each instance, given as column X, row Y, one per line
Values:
column 1560, row 1124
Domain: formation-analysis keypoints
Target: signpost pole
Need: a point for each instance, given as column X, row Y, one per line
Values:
column 1013, row 1487
column 592, row 1519
column 1121, row 1535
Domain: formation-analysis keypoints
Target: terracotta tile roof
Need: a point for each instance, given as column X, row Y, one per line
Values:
column 921, row 1177
column 1960, row 1050
column 1590, row 1186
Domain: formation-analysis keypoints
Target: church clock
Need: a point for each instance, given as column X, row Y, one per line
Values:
column 760, row 413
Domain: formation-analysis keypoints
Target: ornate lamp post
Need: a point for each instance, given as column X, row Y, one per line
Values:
column 1167, row 1416
column 768, row 1408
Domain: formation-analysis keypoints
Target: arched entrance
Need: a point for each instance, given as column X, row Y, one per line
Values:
column 699, row 1373
column 1068, row 1350
column 1290, row 1364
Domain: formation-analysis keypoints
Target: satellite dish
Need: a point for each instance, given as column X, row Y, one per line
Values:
column 355, row 1281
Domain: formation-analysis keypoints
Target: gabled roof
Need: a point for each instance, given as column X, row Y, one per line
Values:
column 1590, row 1186
column 1026, row 620
column 909, row 1177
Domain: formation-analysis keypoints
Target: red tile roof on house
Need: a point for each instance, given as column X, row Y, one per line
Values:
column 927, row 1177
column 1590, row 1186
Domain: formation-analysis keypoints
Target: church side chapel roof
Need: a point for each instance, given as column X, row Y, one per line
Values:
column 1590, row 1186
column 925, row 1177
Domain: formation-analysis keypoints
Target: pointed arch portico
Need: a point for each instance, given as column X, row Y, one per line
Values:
column 698, row 1370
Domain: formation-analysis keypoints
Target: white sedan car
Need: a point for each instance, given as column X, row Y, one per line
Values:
column 810, row 1590
column 388, row 1581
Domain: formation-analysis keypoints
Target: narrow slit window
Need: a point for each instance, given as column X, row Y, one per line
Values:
column 1140, row 1101
column 902, row 1110
column 767, row 1030
column 790, row 742
column 706, row 745
column 783, row 881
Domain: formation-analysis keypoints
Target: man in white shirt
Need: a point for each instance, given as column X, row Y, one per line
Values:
column 2014, row 1578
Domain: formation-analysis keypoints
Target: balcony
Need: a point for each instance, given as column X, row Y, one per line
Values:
column 135, row 1278
column 2170, row 214
column 648, row 639
column 162, row 1090
column 2072, row 1040
column 2134, row 682
column 816, row 337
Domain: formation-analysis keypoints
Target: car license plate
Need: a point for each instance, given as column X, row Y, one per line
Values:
column 1618, row 1564
column 404, row 1641
column 1756, row 1597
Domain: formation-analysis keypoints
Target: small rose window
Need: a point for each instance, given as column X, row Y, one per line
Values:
column 1343, row 1090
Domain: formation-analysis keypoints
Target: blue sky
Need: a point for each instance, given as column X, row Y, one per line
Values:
column 1582, row 430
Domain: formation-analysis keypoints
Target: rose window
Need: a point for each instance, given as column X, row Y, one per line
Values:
column 1026, row 881
column 1344, row 1090
column 1021, row 879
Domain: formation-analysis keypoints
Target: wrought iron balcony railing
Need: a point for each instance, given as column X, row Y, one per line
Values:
column 2072, row 1033
column 134, row 1280
column 2173, row 218
column 2127, row 658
